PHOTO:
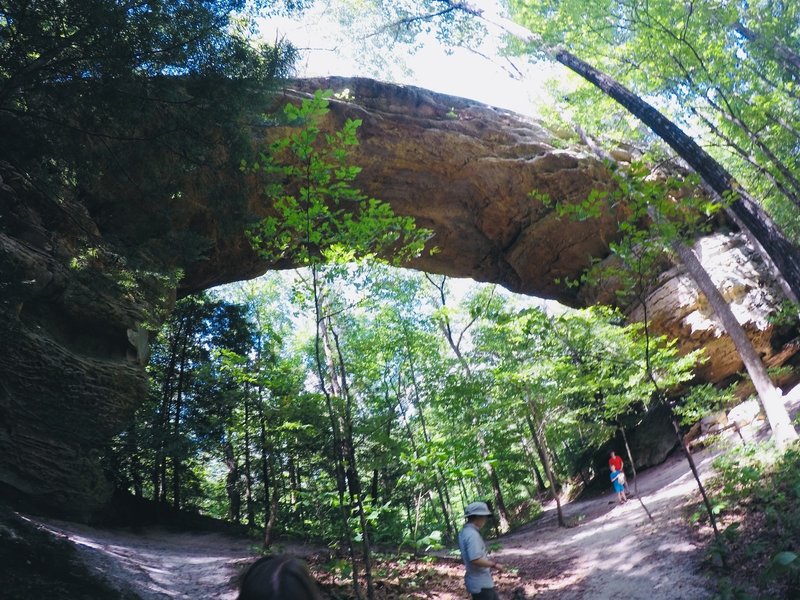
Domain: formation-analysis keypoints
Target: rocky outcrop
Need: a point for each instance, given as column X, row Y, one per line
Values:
column 650, row 438
column 677, row 308
column 72, row 370
column 69, row 374
column 467, row 170
column 464, row 170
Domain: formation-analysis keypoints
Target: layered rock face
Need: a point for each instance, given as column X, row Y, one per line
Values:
column 464, row 170
column 72, row 371
column 467, row 170
column 679, row 310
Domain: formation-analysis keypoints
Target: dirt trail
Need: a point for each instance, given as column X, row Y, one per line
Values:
column 158, row 564
column 616, row 551
column 611, row 551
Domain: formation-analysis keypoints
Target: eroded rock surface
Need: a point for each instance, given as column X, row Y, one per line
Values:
column 69, row 376
column 464, row 170
column 679, row 309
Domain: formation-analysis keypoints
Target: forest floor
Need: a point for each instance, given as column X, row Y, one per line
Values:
column 616, row 551
column 608, row 551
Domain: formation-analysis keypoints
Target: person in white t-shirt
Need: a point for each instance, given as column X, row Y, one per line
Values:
column 478, row 577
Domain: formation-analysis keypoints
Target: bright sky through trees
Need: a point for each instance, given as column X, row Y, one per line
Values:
column 483, row 74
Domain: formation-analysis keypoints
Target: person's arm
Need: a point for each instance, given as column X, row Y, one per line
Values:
column 485, row 563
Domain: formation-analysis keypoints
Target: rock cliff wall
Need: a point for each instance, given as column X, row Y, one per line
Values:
column 70, row 371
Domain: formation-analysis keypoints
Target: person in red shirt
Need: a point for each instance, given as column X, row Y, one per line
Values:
column 615, row 462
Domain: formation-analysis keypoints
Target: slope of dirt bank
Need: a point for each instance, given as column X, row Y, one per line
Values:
column 35, row 564
column 159, row 564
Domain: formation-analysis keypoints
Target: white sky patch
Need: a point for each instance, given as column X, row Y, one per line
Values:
column 483, row 75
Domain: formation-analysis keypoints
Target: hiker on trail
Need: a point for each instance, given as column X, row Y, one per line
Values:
column 478, row 577
column 278, row 578
column 618, row 479
column 615, row 464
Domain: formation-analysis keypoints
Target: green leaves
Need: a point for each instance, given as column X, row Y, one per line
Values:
column 785, row 559
column 700, row 401
column 652, row 210
column 725, row 71
column 320, row 216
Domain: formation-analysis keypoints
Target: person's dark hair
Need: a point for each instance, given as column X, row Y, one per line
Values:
column 278, row 578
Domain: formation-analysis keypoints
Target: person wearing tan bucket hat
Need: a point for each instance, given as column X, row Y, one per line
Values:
column 478, row 576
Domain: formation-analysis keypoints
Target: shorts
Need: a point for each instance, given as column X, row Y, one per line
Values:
column 486, row 594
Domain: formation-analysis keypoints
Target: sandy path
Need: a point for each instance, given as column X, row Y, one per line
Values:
column 616, row 551
column 612, row 551
column 609, row 552
column 158, row 564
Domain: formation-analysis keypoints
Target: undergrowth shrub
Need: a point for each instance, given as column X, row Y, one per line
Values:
column 757, row 496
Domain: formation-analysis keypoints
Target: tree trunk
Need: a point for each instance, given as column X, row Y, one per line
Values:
column 248, row 474
column 494, row 480
column 788, row 57
column 532, row 463
column 176, row 430
column 696, row 475
column 441, row 481
column 295, row 482
column 323, row 359
column 353, row 479
column 232, row 484
column 539, row 450
column 265, row 471
column 630, row 460
column 158, row 474
column 757, row 141
column 771, row 241
column 463, row 491
column 537, row 430
column 269, row 527
column 337, row 427
column 747, row 157
column 136, row 464
column 771, row 401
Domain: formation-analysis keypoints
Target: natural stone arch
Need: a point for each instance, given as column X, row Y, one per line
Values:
column 462, row 168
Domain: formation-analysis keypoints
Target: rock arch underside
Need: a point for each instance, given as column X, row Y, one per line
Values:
column 72, row 373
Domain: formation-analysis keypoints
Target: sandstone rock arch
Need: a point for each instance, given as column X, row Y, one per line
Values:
column 72, row 372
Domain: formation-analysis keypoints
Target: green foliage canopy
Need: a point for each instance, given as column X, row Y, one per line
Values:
column 321, row 216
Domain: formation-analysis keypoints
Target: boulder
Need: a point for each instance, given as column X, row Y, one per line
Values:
column 714, row 422
column 650, row 439
column 679, row 310
column 653, row 440
column 745, row 413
